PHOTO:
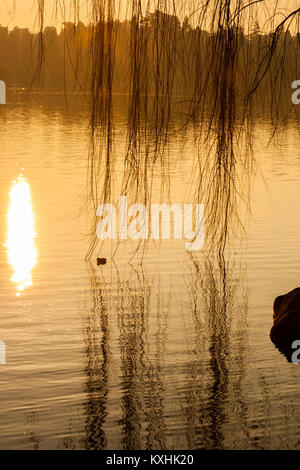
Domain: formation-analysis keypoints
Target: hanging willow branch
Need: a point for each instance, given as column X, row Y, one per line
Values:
column 185, row 65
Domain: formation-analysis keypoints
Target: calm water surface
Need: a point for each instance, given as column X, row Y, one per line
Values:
column 171, row 354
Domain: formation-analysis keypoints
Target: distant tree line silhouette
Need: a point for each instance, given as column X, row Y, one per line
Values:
column 67, row 62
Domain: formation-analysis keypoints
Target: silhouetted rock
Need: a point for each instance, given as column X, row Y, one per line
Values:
column 286, row 327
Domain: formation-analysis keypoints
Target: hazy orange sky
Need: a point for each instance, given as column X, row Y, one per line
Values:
column 22, row 13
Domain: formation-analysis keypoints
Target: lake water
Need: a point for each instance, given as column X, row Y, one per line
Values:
column 173, row 353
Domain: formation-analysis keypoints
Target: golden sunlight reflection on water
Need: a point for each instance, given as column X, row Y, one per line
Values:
column 21, row 250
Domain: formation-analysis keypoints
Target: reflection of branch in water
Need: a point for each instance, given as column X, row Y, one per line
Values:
column 128, row 301
column 214, row 304
column 218, row 320
column 132, row 314
column 142, row 403
column 156, row 429
column 96, row 334
column 33, row 440
column 238, row 371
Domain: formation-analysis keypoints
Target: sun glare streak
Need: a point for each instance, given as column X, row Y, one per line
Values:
column 22, row 253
